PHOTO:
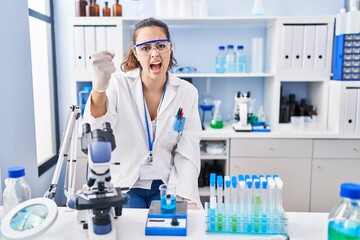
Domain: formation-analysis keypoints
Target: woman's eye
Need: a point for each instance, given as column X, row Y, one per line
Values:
column 161, row 45
column 146, row 48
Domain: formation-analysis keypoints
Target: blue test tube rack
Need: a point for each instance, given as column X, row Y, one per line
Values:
column 264, row 213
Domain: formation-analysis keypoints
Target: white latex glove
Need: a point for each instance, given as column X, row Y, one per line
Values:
column 103, row 68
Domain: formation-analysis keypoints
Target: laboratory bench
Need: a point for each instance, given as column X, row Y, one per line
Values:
column 311, row 164
column 131, row 225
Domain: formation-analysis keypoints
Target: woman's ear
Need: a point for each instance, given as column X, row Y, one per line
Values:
column 135, row 53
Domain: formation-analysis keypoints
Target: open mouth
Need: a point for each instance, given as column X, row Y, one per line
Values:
column 155, row 66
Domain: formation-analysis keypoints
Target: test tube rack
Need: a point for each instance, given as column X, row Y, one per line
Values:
column 246, row 204
column 222, row 222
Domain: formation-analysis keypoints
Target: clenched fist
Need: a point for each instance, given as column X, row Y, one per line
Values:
column 103, row 68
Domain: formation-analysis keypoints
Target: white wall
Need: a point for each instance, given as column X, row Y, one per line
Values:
column 17, row 128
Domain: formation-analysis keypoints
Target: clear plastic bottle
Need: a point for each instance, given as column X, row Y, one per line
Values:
column 240, row 59
column 220, row 60
column 230, row 59
column 344, row 219
column 16, row 190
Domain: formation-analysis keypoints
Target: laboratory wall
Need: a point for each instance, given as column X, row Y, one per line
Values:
column 17, row 127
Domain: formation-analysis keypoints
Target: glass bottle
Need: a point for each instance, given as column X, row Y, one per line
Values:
column 16, row 190
column 80, row 8
column 220, row 60
column 117, row 9
column 230, row 59
column 240, row 59
column 344, row 219
column 92, row 10
column 106, row 11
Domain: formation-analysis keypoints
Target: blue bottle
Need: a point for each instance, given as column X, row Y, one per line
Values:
column 344, row 219
column 83, row 96
column 220, row 60
column 241, row 61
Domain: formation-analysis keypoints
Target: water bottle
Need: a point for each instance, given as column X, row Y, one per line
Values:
column 344, row 219
column 220, row 60
column 230, row 59
column 240, row 59
column 16, row 190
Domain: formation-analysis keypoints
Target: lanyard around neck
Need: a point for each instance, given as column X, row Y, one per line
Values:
column 151, row 141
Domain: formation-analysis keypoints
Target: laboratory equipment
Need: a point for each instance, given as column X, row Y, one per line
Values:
column 344, row 219
column 206, row 105
column 250, row 207
column 220, row 60
column 230, row 60
column 242, row 99
column 117, row 9
column 217, row 121
column 106, row 11
column 167, row 197
column 258, row 8
column 16, row 190
column 80, row 8
column 169, row 223
column 241, row 61
column 99, row 199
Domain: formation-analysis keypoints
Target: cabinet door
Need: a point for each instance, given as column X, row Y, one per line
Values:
column 327, row 176
column 295, row 173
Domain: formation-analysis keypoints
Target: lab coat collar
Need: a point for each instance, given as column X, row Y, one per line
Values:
column 134, row 80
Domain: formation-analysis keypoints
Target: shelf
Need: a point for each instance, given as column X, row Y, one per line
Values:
column 223, row 75
column 204, row 191
column 206, row 156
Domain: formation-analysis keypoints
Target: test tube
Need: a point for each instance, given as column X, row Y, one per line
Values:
column 227, row 201
column 264, row 205
column 271, row 204
column 234, row 222
column 212, row 202
column 241, row 194
column 256, row 204
column 220, row 211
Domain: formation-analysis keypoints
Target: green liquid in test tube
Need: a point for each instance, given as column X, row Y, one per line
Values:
column 256, row 203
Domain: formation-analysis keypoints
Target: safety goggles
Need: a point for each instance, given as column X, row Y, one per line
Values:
column 145, row 48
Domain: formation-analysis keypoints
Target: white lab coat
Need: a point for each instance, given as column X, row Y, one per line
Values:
column 177, row 159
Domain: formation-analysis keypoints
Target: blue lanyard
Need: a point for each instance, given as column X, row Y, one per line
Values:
column 151, row 142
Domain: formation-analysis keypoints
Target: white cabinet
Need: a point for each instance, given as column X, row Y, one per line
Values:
column 334, row 162
column 288, row 158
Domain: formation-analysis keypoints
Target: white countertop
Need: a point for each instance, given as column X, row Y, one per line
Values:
column 131, row 225
column 228, row 132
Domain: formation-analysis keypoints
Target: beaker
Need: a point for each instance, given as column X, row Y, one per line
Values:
column 167, row 196
column 217, row 121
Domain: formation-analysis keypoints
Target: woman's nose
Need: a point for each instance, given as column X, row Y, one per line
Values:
column 154, row 53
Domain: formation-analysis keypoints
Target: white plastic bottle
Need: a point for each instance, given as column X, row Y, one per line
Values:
column 340, row 27
column 16, row 190
column 240, row 59
column 230, row 59
column 352, row 24
column 220, row 60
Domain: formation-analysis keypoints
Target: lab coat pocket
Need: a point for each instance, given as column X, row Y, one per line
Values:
column 172, row 136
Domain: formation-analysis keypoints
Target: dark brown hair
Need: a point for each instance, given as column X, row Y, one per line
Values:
column 130, row 62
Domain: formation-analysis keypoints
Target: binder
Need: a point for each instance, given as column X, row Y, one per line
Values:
column 89, row 45
column 286, row 55
column 320, row 46
column 298, row 46
column 350, row 110
column 110, row 38
column 100, row 39
column 309, row 47
column 79, row 48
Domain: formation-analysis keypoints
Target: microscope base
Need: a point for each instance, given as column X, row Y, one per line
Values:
column 242, row 128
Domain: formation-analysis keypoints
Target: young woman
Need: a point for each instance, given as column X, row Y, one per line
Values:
column 154, row 116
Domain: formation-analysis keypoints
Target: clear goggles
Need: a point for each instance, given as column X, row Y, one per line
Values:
column 145, row 48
